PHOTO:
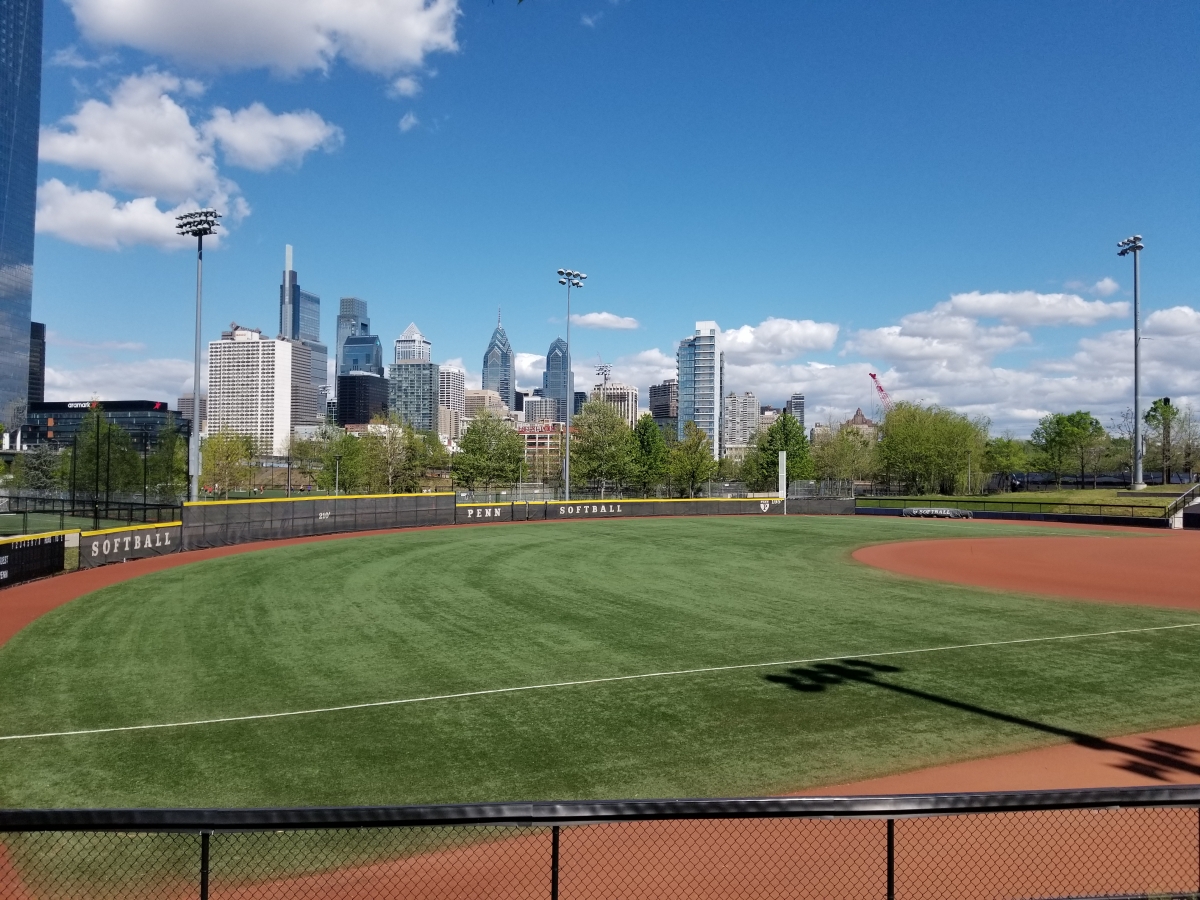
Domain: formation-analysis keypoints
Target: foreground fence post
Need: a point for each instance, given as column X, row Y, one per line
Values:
column 554, row 863
column 204, row 839
column 891, row 859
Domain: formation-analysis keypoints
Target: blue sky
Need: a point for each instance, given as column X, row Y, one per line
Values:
column 932, row 191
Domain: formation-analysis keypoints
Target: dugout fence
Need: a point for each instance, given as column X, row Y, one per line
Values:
column 1127, row 843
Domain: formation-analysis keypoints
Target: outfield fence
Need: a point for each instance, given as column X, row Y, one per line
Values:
column 1126, row 843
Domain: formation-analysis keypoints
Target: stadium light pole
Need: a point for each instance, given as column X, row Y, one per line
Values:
column 196, row 224
column 570, row 279
column 1135, row 246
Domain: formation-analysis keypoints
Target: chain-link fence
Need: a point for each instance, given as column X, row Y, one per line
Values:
column 1063, row 844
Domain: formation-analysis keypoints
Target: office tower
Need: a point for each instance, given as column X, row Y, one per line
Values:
column 308, row 403
column 520, row 396
column 412, row 345
column 362, row 353
column 184, row 405
column 413, row 393
column 449, row 424
column 701, row 371
column 20, row 111
column 452, row 389
column 59, row 423
column 580, row 399
column 557, row 383
column 361, row 397
column 664, row 405
column 623, row 397
column 37, row 363
column 250, row 387
column 475, row 402
column 541, row 409
column 740, row 419
column 795, row 406
column 498, row 362
column 352, row 321
column 300, row 320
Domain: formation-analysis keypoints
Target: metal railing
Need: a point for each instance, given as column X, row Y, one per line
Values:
column 1132, row 842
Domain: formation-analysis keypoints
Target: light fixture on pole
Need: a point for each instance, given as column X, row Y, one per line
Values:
column 570, row 279
column 196, row 224
column 1134, row 245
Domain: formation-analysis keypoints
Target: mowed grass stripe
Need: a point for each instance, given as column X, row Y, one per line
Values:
column 458, row 611
column 591, row 681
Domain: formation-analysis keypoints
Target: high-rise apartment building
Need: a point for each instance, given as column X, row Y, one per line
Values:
column 795, row 406
column 37, row 363
column 499, row 367
column 250, row 387
column 362, row 353
column 352, row 321
column 558, row 383
column 452, row 389
column 542, row 409
column 413, row 393
column 624, row 397
column 184, row 406
column 412, row 345
column 701, row 373
column 664, row 405
column 740, row 419
column 20, row 113
column 300, row 320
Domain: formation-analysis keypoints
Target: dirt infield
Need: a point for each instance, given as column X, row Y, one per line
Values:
column 1152, row 569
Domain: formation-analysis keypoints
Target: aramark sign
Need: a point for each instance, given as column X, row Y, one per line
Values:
column 102, row 547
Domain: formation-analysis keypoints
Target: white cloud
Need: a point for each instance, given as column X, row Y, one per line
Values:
column 1028, row 308
column 406, row 86
column 290, row 36
column 409, row 121
column 604, row 320
column 644, row 369
column 143, row 142
column 778, row 339
column 529, row 368
column 97, row 219
column 1105, row 287
column 1176, row 321
column 146, row 379
column 474, row 380
column 256, row 138
column 69, row 57
column 590, row 21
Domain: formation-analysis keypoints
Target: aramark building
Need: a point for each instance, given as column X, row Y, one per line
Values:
column 59, row 423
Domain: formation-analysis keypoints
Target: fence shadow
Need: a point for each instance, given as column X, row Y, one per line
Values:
column 1157, row 759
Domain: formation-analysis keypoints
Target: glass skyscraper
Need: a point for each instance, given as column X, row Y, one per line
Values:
column 701, row 368
column 557, row 384
column 20, row 111
column 498, row 367
column 352, row 321
column 300, row 320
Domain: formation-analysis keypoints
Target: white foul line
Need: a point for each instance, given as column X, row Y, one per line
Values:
column 563, row 684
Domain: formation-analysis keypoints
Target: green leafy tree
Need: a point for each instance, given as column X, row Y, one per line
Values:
column 761, row 468
column 37, row 469
column 930, row 447
column 602, row 446
column 105, row 461
column 225, row 458
column 490, row 453
column 1003, row 456
column 847, row 454
column 391, row 458
column 168, row 463
column 691, row 460
column 1053, row 449
column 1063, row 439
column 1161, row 417
column 651, row 458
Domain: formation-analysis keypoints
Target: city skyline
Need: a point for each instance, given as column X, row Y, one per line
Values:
column 904, row 206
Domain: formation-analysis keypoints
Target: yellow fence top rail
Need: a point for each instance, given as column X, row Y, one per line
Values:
column 129, row 528
column 311, row 499
column 41, row 534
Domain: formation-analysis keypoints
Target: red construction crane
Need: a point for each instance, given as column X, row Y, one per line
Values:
column 883, row 395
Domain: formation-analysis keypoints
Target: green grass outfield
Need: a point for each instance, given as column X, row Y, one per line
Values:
column 426, row 613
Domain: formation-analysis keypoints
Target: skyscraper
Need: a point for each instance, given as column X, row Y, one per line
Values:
column 740, row 419
column 362, row 353
column 413, row 393
column 20, row 111
column 250, row 387
column 498, row 367
column 413, row 345
column 622, row 397
column 352, row 321
column 37, row 362
column 557, row 383
column 452, row 389
column 664, row 405
column 701, row 371
column 300, row 320
column 795, row 406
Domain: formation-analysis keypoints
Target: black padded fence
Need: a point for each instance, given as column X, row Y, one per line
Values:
column 1124, row 843
column 114, row 545
column 521, row 511
column 1140, row 521
column 35, row 556
column 222, row 522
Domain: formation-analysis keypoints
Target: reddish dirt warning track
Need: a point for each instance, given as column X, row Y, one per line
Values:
column 1155, row 569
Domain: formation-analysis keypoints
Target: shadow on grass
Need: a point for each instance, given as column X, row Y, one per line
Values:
column 1157, row 759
